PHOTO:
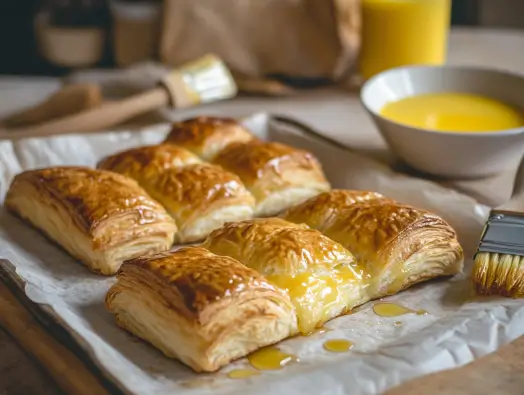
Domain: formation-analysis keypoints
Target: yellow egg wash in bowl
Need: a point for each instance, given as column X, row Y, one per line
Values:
column 454, row 112
column 450, row 121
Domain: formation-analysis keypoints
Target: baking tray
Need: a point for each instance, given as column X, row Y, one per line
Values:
column 456, row 334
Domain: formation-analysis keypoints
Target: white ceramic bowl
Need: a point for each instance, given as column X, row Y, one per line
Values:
column 448, row 154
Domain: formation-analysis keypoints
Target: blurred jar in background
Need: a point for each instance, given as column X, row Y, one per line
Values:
column 403, row 32
column 71, row 33
column 136, row 30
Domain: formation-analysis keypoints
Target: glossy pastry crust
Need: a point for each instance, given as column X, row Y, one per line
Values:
column 399, row 245
column 315, row 212
column 277, row 175
column 100, row 217
column 200, row 308
column 201, row 198
column 207, row 136
column 319, row 274
column 145, row 164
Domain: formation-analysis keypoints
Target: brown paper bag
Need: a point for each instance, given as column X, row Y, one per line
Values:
column 306, row 39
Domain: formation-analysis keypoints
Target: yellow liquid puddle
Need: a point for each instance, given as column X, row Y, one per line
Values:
column 270, row 358
column 338, row 345
column 242, row 373
column 394, row 310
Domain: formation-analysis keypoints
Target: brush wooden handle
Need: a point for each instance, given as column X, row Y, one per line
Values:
column 515, row 205
column 203, row 80
column 96, row 119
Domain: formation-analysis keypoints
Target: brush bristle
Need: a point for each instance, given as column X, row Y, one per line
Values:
column 499, row 274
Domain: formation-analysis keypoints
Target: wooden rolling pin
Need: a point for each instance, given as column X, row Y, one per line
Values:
column 69, row 100
column 203, row 80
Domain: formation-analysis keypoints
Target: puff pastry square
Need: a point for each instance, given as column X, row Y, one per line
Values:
column 145, row 164
column 316, row 211
column 321, row 276
column 202, row 309
column 99, row 217
column 207, row 136
column 399, row 245
column 199, row 196
column 202, row 198
column 277, row 175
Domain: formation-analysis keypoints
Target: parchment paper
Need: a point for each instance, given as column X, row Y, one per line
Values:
column 457, row 329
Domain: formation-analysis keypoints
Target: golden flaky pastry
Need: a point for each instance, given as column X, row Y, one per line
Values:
column 202, row 198
column 207, row 136
column 317, row 210
column 277, row 175
column 399, row 245
column 321, row 277
column 199, row 196
column 145, row 164
column 101, row 218
column 200, row 308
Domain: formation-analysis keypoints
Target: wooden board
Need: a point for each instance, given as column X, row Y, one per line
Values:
column 40, row 333
column 21, row 374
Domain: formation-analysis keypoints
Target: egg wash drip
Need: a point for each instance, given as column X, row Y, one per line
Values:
column 394, row 310
column 317, row 294
column 242, row 373
column 338, row 345
column 454, row 112
column 270, row 358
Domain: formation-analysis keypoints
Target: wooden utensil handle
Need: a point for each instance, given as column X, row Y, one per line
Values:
column 516, row 203
column 97, row 119
column 69, row 373
column 69, row 100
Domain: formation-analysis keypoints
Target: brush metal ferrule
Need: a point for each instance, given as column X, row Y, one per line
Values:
column 503, row 234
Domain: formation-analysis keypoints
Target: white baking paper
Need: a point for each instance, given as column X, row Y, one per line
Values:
column 457, row 329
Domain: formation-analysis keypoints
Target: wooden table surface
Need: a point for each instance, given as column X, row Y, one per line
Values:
column 19, row 374
column 503, row 373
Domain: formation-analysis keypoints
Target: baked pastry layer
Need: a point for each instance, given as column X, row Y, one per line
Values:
column 202, row 198
column 200, row 308
column 207, row 136
column 399, row 245
column 321, row 277
column 199, row 196
column 99, row 217
column 277, row 175
column 316, row 211
column 144, row 164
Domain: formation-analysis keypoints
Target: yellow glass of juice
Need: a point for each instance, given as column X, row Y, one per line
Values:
column 403, row 32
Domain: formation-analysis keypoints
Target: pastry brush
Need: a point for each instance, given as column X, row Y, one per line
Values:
column 499, row 262
column 202, row 81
